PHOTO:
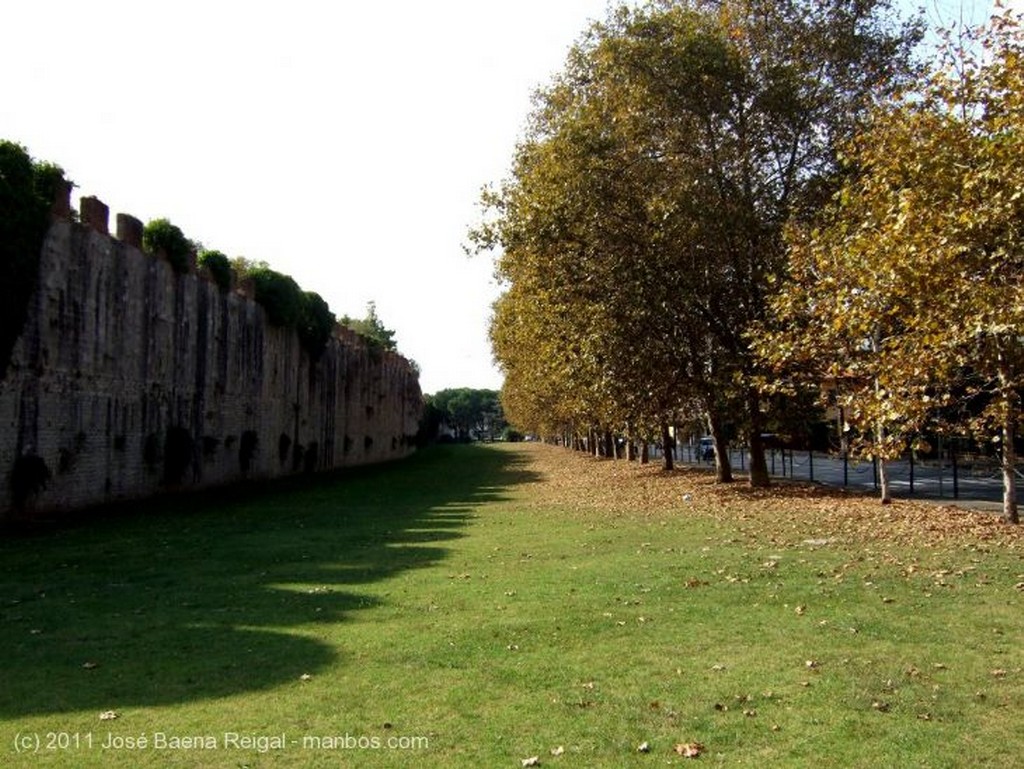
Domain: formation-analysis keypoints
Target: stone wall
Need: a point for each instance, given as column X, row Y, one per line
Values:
column 129, row 380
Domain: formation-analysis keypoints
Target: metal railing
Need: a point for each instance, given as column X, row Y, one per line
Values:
column 950, row 477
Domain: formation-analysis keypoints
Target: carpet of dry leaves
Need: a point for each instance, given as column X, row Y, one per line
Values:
column 792, row 512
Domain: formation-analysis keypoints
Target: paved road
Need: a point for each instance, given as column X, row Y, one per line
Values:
column 924, row 480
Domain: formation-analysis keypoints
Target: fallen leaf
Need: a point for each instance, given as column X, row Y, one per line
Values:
column 90, row 665
column 531, row 761
column 108, row 715
column 305, row 677
column 557, row 751
column 881, row 707
column 689, row 749
column 800, row 610
column 643, row 747
column 999, row 673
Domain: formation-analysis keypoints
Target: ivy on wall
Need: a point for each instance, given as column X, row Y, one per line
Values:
column 27, row 189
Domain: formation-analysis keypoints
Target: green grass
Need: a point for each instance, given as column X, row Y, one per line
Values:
column 453, row 598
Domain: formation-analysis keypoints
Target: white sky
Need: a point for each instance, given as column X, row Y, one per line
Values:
column 345, row 143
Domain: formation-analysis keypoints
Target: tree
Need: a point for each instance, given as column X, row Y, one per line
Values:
column 646, row 208
column 469, row 412
column 907, row 289
column 372, row 329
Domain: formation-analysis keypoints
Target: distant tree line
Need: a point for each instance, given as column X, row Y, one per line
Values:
column 464, row 414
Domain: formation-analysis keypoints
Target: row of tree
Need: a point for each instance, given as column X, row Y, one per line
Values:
column 721, row 205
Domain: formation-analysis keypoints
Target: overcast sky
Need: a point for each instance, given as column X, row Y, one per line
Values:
column 345, row 143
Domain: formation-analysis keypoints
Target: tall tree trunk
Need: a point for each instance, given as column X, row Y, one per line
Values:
column 1011, row 410
column 609, row 445
column 1009, row 469
column 884, row 486
column 666, row 446
column 645, row 452
column 723, row 468
column 759, row 477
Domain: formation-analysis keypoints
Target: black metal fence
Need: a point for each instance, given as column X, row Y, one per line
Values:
column 951, row 476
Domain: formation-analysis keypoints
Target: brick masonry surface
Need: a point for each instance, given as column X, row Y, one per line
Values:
column 129, row 380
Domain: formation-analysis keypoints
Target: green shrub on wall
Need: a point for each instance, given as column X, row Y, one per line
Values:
column 27, row 192
column 160, row 235
column 316, row 324
column 288, row 306
column 279, row 295
column 220, row 268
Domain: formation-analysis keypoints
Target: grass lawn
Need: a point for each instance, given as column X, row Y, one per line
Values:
column 478, row 606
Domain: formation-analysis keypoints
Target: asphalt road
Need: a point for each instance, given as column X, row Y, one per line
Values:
column 966, row 482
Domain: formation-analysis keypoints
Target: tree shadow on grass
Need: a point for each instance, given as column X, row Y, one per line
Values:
column 212, row 595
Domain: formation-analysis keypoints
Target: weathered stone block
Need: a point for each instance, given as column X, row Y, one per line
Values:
column 129, row 230
column 95, row 214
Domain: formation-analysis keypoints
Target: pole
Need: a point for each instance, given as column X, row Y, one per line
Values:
column 956, row 475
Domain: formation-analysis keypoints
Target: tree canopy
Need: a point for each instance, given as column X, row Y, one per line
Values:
column 646, row 205
column 372, row 328
column 469, row 413
column 906, row 291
